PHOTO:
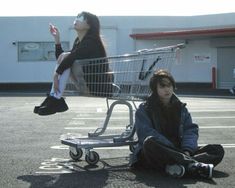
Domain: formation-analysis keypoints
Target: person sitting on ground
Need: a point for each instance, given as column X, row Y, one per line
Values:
column 87, row 45
column 167, row 137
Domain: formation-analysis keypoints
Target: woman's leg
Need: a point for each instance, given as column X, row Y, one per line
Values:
column 62, row 84
column 62, row 79
column 173, row 161
column 55, row 102
column 159, row 155
column 210, row 154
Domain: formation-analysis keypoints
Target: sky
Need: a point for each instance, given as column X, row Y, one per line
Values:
column 115, row 7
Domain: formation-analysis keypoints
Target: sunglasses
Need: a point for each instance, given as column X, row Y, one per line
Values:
column 80, row 18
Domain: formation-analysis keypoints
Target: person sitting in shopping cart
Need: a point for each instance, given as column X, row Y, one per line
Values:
column 87, row 45
column 167, row 137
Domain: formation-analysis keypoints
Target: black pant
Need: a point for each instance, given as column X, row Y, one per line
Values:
column 156, row 155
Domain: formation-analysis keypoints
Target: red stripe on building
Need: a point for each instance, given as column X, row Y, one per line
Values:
column 221, row 32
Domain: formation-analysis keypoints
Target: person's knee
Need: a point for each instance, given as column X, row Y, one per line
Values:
column 149, row 144
column 62, row 56
column 148, row 140
column 220, row 150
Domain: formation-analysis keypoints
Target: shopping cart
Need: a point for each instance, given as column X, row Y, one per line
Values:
column 122, row 80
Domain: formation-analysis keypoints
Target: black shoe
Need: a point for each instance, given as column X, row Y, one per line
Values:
column 36, row 108
column 53, row 105
column 201, row 170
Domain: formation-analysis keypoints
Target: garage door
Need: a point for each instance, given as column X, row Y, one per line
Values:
column 225, row 68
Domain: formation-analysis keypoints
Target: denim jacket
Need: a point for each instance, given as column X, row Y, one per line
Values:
column 188, row 131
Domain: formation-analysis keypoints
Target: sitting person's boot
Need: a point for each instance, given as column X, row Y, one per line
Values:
column 201, row 170
column 52, row 106
column 36, row 108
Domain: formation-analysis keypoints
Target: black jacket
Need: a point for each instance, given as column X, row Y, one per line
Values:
column 96, row 73
column 89, row 47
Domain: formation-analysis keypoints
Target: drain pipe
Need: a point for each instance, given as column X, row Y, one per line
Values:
column 213, row 75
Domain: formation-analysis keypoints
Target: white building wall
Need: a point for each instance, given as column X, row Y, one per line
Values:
column 36, row 29
column 25, row 29
column 115, row 31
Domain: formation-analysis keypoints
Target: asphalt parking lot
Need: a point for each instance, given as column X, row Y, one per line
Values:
column 33, row 156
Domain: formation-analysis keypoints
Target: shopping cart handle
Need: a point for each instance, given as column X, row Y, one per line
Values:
column 172, row 48
column 181, row 45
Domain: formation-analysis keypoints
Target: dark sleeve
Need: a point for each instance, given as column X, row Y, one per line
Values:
column 83, row 51
column 190, row 133
column 58, row 50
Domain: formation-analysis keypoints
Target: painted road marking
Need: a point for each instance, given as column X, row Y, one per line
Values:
column 212, row 110
column 193, row 109
column 64, row 147
column 55, row 166
column 122, row 118
column 77, row 123
column 121, row 128
column 54, row 172
column 89, row 128
column 98, row 118
column 215, row 117
column 216, row 127
column 99, row 110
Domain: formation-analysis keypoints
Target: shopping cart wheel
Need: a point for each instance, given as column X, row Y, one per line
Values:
column 92, row 158
column 77, row 154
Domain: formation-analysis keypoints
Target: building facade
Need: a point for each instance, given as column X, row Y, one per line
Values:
column 27, row 48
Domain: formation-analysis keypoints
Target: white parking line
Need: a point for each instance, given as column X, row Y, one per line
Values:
column 99, row 110
column 77, row 123
column 224, row 145
column 122, row 128
column 64, row 147
column 216, row 127
column 122, row 118
column 54, row 172
column 212, row 110
column 90, row 128
column 214, row 117
column 98, row 118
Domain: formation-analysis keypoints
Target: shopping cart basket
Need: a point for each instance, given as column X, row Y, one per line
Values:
column 123, row 80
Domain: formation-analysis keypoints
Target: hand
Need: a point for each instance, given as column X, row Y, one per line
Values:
column 56, row 83
column 55, row 33
column 187, row 153
column 53, row 30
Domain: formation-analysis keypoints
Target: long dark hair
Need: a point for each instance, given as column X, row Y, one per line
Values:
column 153, row 101
column 168, row 116
column 158, row 77
column 94, row 23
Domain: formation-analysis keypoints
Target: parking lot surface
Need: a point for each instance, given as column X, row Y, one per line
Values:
column 33, row 156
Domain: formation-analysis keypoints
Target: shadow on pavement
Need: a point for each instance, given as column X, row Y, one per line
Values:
column 110, row 176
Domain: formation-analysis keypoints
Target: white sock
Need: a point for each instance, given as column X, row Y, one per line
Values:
column 63, row 78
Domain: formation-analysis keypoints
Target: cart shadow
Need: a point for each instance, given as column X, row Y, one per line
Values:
column 107, row 173
column 77, row 179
